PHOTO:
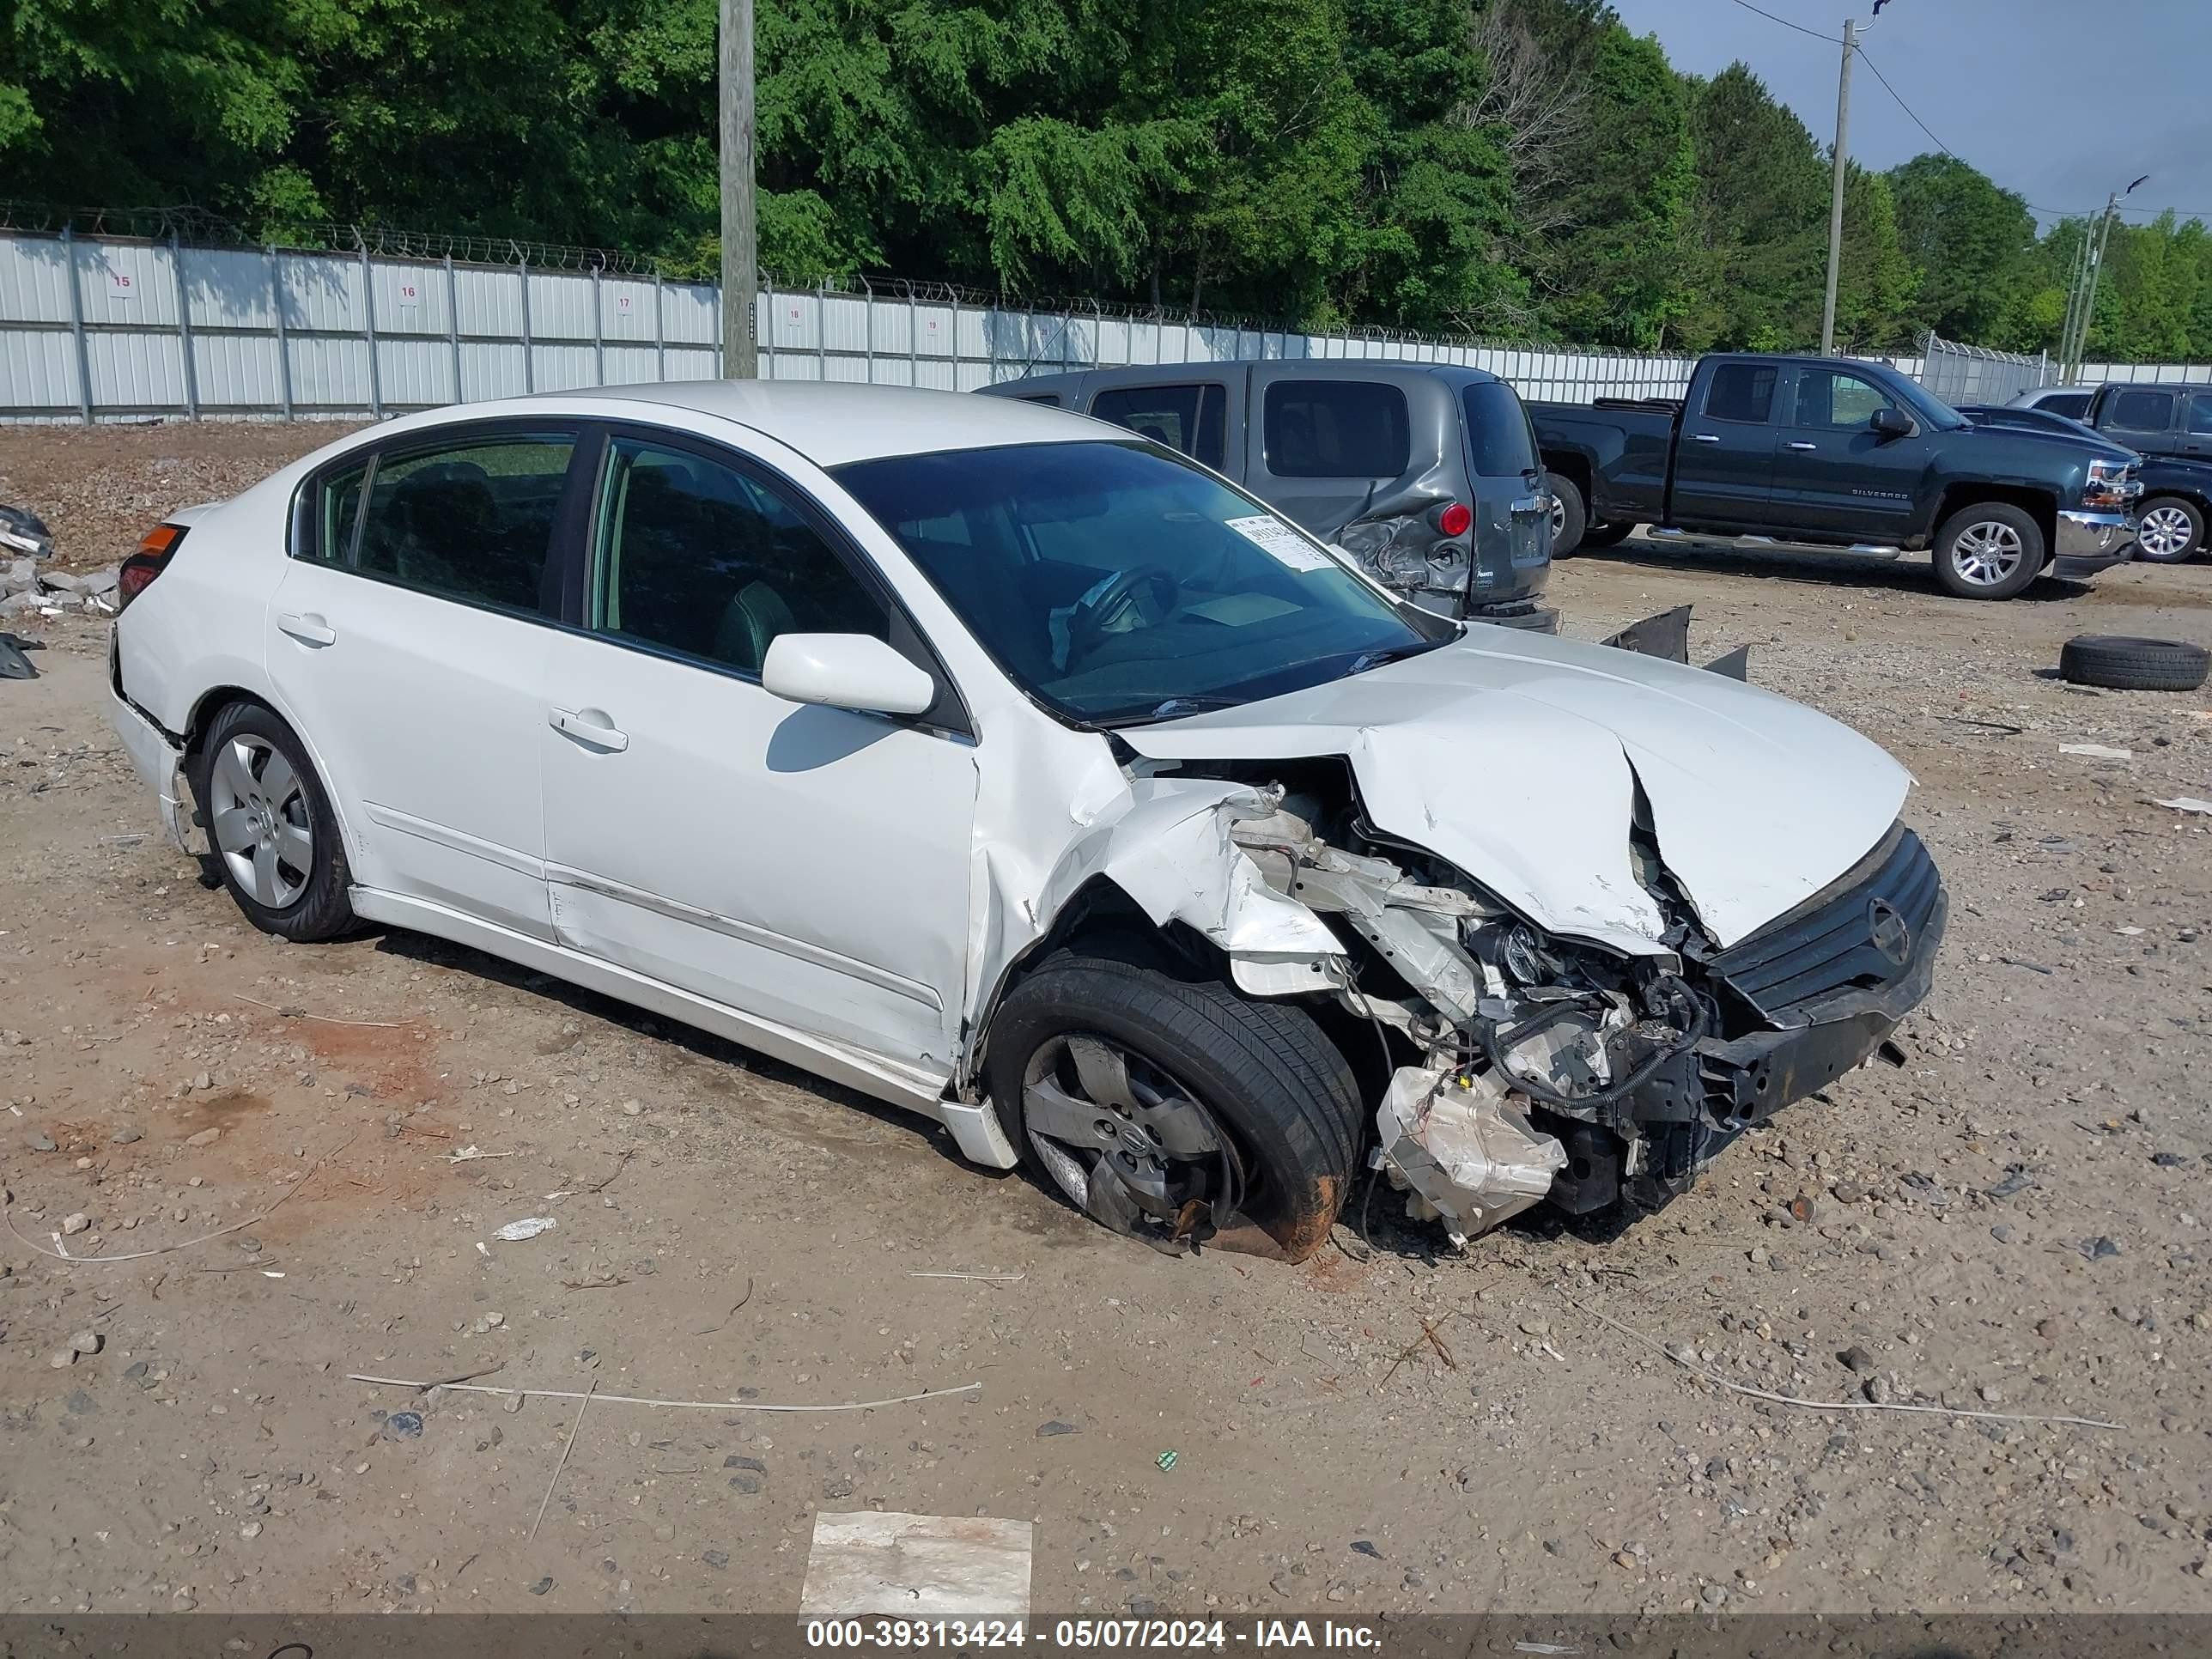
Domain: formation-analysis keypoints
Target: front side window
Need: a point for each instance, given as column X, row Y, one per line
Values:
column 1827, row 397
column 1191, row 418
column 2140, row 411
column 1741, row 392
column 471, row 522
column 1118, row 584
column 1336, row 430
column 698, row 558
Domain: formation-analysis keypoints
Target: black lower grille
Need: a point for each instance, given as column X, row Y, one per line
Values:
column 1861, row 932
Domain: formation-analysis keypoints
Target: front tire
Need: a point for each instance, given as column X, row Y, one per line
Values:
column 1988, row 550
column 269, row 822
column 2169, row 530
column 1569, row 517
column 1138, row 1096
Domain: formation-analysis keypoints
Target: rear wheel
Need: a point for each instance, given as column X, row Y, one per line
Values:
column 1570, row 516
column 1606, row 535
column 2169, row 530
column 1988, row 550
column 1167, row 1109
column 274, row 836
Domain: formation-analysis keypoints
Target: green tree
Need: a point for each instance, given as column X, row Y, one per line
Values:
column 1971, row 242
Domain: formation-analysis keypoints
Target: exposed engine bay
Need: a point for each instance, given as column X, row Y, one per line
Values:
column 1539, row 1068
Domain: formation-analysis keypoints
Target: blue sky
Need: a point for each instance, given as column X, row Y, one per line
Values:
column 2062, row 101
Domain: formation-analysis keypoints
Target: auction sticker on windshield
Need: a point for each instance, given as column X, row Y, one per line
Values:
column 1278, row 540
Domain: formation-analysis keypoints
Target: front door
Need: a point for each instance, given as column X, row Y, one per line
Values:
column 1834, row 475
column 1724, row 452
column 408, row 642
column 806, row 866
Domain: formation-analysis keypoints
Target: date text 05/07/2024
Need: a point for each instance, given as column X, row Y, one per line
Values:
column 1138, row 1635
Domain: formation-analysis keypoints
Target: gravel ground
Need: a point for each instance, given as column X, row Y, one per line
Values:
column 2013, row 1222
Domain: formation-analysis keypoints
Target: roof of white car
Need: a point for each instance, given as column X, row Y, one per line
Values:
column 831, row 423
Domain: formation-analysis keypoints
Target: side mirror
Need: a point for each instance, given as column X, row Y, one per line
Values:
column 856, row 672
column 1887, row 423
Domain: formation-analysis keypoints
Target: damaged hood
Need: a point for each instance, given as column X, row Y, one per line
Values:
column 1516, row 757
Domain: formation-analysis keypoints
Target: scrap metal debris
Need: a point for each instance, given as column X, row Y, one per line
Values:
column 1468, row 1154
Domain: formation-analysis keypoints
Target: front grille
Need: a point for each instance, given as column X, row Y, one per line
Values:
column 1829, row 943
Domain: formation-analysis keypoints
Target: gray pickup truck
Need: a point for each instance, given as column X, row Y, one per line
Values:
column 1833, row 452
column 1425, row 473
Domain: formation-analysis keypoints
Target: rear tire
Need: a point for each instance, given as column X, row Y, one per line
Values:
column 1569, row 517
column 1606, row 535
column 2169, row 530
column 1261, row 1072
column 268, row 819
column 1988, row 550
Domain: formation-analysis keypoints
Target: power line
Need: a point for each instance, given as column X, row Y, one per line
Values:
column 1831, row 39
column 1907, row 108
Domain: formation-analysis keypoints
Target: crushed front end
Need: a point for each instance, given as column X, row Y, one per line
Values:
column 1537, row 1068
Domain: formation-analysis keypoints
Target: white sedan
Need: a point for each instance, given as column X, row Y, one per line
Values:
column 1023, row 773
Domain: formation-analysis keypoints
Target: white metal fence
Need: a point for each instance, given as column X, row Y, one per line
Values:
column 121, row 328
column 1975, row 374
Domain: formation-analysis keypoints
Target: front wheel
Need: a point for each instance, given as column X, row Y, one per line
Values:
column 2169, row 530
column 1167, row 1109
column 1988, row 550
column 1569, row 517
column 269, row 821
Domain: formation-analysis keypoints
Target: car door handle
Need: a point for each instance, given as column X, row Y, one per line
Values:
column 1704, row 437
column 589, row 726
column 1799, row 444
column 308, row 629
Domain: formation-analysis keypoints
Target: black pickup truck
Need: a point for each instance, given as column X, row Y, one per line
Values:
column 1830, row 453
column 2170, row 425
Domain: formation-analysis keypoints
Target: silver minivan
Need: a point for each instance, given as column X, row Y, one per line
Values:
column 1427, row 473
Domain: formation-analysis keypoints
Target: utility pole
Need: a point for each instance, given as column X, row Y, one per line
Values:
column 1836, row 190
column 2076, row 281
column 740, row 250
column 2096, row 275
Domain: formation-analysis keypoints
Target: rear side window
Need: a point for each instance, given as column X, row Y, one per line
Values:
column 2140, row 411
column 1193, row 419
column 1336, row 430
column 702, row 559
column 471, row 521
column 2200, row 414
column 1741, row 392
column 1498, row 434
column 2072, row 404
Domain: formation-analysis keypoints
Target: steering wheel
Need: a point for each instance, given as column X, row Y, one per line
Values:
column 1087, row 622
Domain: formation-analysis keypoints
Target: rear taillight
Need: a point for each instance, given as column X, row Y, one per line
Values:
column 151, row 559
column 1455, row 519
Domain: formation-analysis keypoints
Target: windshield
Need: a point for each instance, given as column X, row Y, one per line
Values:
column 1119, row 583
column 1929, row 409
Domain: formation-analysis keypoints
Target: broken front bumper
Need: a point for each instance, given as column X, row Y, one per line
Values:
column 2089, row 542
column 1802, row 1001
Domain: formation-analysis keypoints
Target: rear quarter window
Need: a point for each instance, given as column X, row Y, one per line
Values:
column 1499, row 438
column 1192, row 419
column 1336, row 430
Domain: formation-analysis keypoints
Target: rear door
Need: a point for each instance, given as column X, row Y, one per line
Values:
column 2195, row 435
column 2142, row 418
column 408, row 642
column 1321, row 448
column 1835, row 475
column 1724, row 452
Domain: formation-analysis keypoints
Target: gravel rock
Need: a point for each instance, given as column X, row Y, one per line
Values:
column 126, row 1135
column 206, row 1138
column 39, row 1141
column 87, row 1342
column 75, row 1222
column 1856, row 1358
